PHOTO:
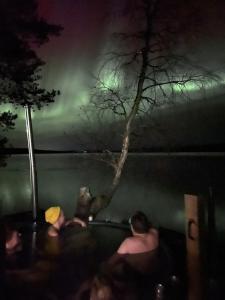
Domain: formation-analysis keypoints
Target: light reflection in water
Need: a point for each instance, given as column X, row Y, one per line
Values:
column 155, row 185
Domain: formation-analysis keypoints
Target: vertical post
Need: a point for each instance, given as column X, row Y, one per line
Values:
column 33, row 172
column 2, row 254
column 195, row 246
column 211, row 233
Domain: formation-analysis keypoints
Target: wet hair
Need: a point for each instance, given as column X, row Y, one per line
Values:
column 140, row 222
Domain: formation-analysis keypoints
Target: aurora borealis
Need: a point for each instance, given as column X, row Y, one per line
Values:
column 72, row 57
column 187, row 126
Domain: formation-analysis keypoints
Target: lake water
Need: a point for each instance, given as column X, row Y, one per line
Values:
column 155, row 184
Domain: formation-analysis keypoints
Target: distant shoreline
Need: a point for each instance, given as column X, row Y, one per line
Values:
column 155, row 152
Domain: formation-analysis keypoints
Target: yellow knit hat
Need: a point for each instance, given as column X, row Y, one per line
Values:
column 52, row 214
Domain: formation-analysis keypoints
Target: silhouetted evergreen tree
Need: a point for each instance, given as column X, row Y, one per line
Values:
column 22, row 31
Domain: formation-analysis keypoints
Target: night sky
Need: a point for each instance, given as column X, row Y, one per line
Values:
column 73, row 56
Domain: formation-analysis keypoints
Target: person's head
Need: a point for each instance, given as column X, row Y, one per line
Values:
column 12, row 240
column 139, row 223
column 55, row 216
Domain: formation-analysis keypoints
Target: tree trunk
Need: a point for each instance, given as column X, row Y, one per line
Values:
column 121, row 161
column 150, row 11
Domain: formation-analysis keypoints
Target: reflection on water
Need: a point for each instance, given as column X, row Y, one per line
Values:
column 151, row 183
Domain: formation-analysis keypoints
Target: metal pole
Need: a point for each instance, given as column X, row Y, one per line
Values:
column 33, row 172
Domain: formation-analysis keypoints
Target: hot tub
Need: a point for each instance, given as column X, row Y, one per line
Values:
column 49, row 268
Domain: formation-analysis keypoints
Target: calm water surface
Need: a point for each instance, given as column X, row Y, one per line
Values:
column 154, row 184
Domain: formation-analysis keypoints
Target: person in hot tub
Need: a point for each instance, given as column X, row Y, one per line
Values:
column 13, row 241
column 55, row 216
column 140, row 250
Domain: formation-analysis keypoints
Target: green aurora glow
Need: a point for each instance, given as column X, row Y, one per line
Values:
column 74, row 95
column 68, row 69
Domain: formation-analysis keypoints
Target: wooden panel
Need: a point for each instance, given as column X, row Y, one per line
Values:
column 194, row 237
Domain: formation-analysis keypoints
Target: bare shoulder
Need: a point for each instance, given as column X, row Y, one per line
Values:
column 52, row 232
column 123, row 248
column 77, row 221
column 154, row 231
column 153, row 238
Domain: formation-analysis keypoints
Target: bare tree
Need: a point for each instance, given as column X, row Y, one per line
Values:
column 147, row 69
